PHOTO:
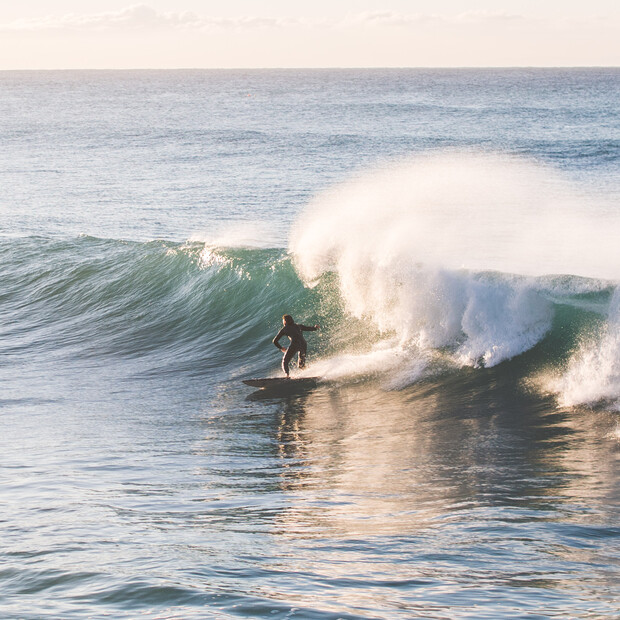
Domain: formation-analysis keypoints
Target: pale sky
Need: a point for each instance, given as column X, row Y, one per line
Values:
column 119, row 34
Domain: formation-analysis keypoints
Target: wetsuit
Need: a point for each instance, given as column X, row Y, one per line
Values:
column 298, row 343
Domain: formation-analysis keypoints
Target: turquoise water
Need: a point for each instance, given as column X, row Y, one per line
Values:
column 453, row 232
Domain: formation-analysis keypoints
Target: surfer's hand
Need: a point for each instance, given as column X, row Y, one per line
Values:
column 317, row 327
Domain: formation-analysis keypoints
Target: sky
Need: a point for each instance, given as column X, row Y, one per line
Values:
column 119, row 34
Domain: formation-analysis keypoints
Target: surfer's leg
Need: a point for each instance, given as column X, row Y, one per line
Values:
column 302, row 357
column 288, row 356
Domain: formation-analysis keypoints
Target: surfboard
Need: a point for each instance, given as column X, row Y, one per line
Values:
column 282, row 382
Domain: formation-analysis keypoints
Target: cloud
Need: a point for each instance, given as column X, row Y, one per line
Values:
column 143, row 17
column 392, row 18
column 140, row 17
column 484, row 20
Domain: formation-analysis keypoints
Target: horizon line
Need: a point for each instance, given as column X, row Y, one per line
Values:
column 316, row 68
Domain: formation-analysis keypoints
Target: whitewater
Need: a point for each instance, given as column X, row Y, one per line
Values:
column 473, row 265
column 454, row 233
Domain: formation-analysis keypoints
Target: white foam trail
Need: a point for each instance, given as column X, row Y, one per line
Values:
column 592, row 375
column 396, row 365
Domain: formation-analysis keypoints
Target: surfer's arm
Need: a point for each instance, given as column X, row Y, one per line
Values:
column 276, row 340
column 307, row 328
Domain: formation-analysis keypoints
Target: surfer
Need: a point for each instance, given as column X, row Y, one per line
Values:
column 297, row 343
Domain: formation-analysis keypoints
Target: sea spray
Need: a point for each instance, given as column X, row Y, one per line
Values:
column 459, row 210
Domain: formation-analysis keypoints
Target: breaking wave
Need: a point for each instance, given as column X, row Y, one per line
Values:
column 428, row 269
column 455, row 256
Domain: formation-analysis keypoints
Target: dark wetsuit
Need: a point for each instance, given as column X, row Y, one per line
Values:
column 298, row 343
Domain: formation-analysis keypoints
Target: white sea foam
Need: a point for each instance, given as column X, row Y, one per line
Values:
column 424, row 249
column 592, row 375
column 397, row 366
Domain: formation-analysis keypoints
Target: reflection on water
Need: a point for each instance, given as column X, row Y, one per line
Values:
column 500, row 490
column 359, row 461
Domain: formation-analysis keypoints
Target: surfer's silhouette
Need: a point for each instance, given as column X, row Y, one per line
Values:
column 298, row 343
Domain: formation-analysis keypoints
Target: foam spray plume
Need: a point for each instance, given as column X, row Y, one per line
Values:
column 451, row 253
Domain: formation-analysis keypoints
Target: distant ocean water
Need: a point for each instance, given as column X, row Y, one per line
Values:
column 454, row 232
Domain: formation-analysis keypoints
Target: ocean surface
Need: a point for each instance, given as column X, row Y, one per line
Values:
column 456, row 235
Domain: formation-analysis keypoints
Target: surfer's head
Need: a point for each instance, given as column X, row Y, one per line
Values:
column 287, row 319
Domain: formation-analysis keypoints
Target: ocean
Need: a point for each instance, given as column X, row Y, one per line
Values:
column 455, row 235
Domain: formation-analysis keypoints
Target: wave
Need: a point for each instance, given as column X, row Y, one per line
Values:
column 408, row 284
column 197, row 308
column 592, row 374
column 183, row 305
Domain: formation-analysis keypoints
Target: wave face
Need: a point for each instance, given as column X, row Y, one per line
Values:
column 168, row 305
